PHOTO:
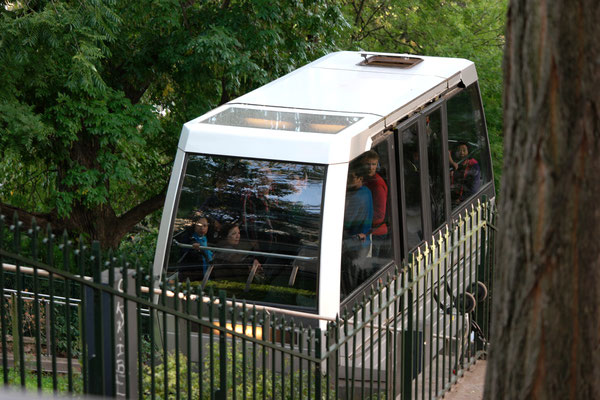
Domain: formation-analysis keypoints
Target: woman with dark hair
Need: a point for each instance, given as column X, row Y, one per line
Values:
column 233, row 264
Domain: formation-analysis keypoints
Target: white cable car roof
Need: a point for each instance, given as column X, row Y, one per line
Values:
column 325, row 112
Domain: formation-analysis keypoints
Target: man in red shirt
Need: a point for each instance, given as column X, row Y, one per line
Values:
column 379, row 190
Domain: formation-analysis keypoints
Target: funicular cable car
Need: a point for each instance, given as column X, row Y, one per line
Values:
column 301, row 193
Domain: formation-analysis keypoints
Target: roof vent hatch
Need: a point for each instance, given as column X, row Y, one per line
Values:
column 376, row 60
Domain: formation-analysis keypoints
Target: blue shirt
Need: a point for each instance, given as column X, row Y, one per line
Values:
column 358, row 215
column 207, row 255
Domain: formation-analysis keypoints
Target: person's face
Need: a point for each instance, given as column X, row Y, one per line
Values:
column 233, row 236
column 371, row 166
column 354, row 181
column 201, row 227
column 462, row 151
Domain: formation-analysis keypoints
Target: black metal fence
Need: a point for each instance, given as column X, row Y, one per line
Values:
column 75, row 320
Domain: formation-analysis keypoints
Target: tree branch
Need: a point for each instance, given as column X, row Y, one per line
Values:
column 41, row 219
column 129, row 219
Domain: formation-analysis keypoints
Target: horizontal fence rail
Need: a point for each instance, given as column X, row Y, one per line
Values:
column 75, row 319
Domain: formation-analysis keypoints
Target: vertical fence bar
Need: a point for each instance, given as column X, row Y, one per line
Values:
column 66, row 247
column 125, row 288
column 254, row 353
column 188, row 336
column 426, row 263
column 318, row 352
column 379, row 342
column 282, row 342
column 3, row 327
column 99, row 361
column 36, row 304
column 109, row 264
column 244, row 355
column 462, row 293
column 455, row 248
column 200, row 304
column 333, row 329
column 79, row 253
column 421, row 283
column 273, row 353
column 408, row 342
column 265, row 328
column 363, row 346
column 309, row 347
column 165, row 340
column 233, row 346
column 438, row 269
column 138, row 312
column 177, row 344
column 211, row 347
column 330, row 330
column 416, row 339
column 354, row 340
column 432, row 322
column 347, row 354
column 222, row 345
column 371, row 343
column 396, row 293
column 18, row 305
column 53, row 340
column 293, row 337
column 481, row 311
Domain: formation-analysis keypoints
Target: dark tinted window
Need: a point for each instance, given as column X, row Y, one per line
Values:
column 433, row 133
column 412, row 185
column 469, row 162
column 261, row 222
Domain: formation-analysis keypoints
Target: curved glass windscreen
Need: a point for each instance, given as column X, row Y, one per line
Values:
column 282, row 120
column 250, row 227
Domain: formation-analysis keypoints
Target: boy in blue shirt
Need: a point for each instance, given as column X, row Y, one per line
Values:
column 198, row 238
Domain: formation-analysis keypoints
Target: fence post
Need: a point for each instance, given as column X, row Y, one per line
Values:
column 124, row 340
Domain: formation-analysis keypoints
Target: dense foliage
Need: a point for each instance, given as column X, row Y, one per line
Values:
column 93, row 93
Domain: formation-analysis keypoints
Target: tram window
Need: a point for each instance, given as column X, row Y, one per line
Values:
column 367, row 238
column 263, row 233
column 412, row 185
column 435, row 156
column 469, row 166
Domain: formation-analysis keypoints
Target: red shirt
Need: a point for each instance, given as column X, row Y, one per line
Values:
column 379, row 190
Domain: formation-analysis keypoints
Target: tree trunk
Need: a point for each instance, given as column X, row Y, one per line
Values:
column 546, row 322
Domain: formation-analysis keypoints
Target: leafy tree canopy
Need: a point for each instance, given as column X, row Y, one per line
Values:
column 93, row 94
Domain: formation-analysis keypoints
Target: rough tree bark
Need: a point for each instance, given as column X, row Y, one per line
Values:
column 546, row 323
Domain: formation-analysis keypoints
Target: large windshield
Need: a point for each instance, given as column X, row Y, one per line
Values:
column 250, row 227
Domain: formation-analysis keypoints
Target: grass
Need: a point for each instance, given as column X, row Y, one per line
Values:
column 31, row 381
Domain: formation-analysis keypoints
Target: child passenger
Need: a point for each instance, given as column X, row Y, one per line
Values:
column 197, row 238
